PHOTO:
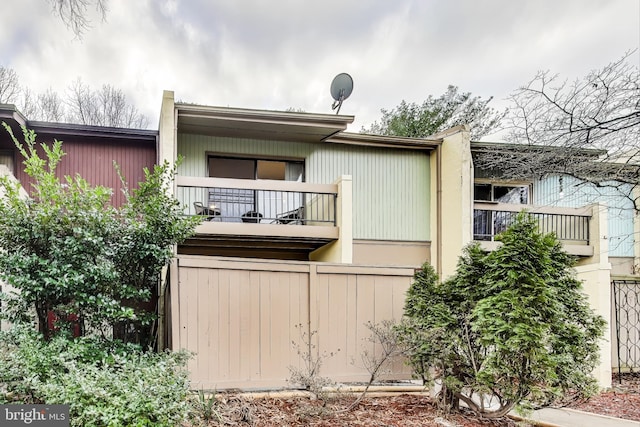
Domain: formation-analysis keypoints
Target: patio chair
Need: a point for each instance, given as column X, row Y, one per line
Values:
column 295, row 216
column 210, row 212
column 252, row 216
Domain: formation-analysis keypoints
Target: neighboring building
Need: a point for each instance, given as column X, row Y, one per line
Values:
column 91, row 151
column 619, row 250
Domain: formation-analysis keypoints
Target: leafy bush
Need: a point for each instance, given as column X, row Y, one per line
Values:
column 70, row 253
column 511, row 327
column 106, row 383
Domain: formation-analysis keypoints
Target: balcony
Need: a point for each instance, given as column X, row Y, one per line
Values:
column 570, row 225
column 259, row 218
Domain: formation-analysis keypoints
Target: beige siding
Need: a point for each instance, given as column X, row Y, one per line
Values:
column 390, row 187
column 398, row 252
column 241, row 318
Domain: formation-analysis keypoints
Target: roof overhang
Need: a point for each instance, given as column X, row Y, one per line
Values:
column 259, row 124
column 425, row 144
column 86, row 131
column 10, row 115
column 491, row 147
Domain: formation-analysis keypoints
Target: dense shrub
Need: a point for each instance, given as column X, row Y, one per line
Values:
column 69, row 253
column 106, row 383
column 510, row 327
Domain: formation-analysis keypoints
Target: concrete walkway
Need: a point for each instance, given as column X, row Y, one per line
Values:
column 563, row 417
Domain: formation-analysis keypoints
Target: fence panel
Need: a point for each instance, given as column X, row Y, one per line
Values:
column 242, row 318
column 626, row 297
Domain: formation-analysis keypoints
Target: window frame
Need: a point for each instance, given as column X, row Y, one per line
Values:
column 254, row 194
column 9, row 154
column 255, row 157
column 494, row 183
column 485, row 227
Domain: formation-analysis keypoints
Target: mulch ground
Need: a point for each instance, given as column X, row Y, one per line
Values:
column 623, row 401
column 403, row 410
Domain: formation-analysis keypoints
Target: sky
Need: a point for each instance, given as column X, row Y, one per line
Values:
column 277, row 54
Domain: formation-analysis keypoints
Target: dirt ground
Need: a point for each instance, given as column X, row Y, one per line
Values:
column 403, row 410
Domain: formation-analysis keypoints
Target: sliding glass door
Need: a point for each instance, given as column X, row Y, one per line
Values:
column 254, row 205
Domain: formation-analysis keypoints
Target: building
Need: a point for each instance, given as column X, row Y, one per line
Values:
column 91, row 151
column 309, row 232
column 620, row 246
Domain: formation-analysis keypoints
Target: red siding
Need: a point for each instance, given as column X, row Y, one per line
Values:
column 92, row 159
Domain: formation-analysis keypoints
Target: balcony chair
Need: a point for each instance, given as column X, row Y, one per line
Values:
column 295, row 216
column 210, row 212
column 252, row 216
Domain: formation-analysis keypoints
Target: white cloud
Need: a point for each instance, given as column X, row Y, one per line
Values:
column 279, row 54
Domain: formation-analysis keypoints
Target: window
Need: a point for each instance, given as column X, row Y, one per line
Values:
column 501, row 193
column 221, row 167
column 6, row 158
column 488, row 223
column 253, row 205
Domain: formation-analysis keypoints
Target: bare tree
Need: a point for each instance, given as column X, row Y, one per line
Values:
column 50, row 106
column 47, row 106
column 81, row 104
column 74, row 13
column 28, row 104
column 9, row 86
column 588, row 129
column 103, row 107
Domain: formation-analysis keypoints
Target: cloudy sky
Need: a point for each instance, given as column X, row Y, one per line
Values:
column 276, row 54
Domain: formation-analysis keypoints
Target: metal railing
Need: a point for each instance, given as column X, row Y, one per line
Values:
column 491, row 221
column 258, row 201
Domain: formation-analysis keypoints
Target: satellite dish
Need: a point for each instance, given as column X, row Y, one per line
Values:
column 341, row 88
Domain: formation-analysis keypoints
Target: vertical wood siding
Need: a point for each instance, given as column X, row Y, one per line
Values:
column 391, row 189
column 547, row 192
column 93, row 160
column 242, row 318
column 240, row 324
column 347, row 302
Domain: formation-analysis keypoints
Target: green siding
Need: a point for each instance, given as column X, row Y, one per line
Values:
column 390, row 187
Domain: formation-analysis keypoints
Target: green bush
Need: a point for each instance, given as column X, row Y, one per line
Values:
column 105, row 383
column 511, row 327
column 68, row 252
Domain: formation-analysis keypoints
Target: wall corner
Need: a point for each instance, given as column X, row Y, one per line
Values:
column 454, row 228
column 340, row 251
column 595, row 274
column 167, row 129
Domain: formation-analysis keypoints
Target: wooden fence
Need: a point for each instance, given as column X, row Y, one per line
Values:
column 249, row 320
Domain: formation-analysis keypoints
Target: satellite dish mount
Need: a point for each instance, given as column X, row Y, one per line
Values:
column 341, row 88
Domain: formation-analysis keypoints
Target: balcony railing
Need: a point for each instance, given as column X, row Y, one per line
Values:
column 571, row 226
column 258, row 201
